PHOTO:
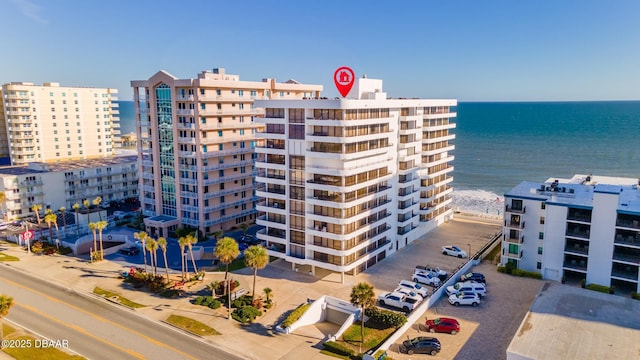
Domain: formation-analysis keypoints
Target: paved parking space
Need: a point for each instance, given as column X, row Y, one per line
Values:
column 486, row 330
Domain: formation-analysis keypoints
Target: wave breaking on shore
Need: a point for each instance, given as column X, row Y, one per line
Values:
column 479, row 203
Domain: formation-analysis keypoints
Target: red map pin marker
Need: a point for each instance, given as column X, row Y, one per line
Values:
column 344, row 78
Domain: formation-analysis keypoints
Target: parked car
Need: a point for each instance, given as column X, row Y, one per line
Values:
column 421, row 345
column 409, row 293
column 473, row 276
column 398, row 300
column 441, row 273
column 464, row 299
column 415, row 287
column 105, row 204
column 427, row 279
column 4, row 226
column 453, row 250
column 467, row 287
column 443, row 325
column 131, row 250
column 250, row 239
column 119, row 214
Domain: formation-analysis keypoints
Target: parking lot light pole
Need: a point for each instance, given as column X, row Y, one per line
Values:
column 469, row 251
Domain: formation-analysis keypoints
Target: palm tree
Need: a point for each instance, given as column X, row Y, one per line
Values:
column 51, row 218
column 162, row 243
column 268, row 292
column 226, row 251
column 93, row 227
column 64, row 219
column 190, row 241
column 182, row 241
column 142, row 236
column 76, row 207
column 244, row 228
column 86, row 204
column 152, row 247
column 256, row 257
column 97, row 202
column 6, row 302
column 217, row 234
column 36, row 209
column 101, row 225
column 362, row 295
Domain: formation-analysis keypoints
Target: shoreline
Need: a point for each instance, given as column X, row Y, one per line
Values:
column 478, row 217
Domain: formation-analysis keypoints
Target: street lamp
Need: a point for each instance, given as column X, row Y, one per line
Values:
column 469, row 250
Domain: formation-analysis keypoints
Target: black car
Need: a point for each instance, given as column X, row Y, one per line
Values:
column 473, row 276
column 250, row 239
column 132, row 250
column 421, row 345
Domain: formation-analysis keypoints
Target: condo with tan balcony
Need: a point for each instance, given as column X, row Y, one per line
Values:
column 51, row 123
column 196, row 142
column 344, row 183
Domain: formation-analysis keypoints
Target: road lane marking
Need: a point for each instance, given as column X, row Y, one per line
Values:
column 80, row 330
column 100, row 318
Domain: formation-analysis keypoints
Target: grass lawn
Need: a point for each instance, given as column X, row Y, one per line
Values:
column 32, row 353
column 121, row 299
column 5, row 257
column 238, row 264
column 192, row 326
column 372, row 337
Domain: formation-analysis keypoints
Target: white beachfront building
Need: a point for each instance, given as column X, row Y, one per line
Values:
column 586, row 227
column 346, row 182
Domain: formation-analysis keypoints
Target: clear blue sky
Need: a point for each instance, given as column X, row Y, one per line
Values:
column 467, row 49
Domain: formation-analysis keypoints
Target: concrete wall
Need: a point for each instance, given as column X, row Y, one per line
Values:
column 601, row 238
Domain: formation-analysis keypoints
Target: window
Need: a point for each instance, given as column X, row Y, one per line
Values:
column 296, row 131
column 513, row 249
column 543, row 205
column 538, row 265
column 539, row 250
column 541, row 235
column 542, row 220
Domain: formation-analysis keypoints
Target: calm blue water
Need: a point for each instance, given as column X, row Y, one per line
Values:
column 498, row 145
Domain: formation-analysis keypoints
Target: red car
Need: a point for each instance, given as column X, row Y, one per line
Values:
column 443, row 325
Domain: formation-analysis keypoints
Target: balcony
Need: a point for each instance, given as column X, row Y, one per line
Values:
column 628, row 222
column 579, row 215
column 625, row 272
column 517, row 210
column 577, row 247
column 627, row 238
column 511, row 254
column 514, row 238
column 582, row 232
column 626, row 254
column 576, row 263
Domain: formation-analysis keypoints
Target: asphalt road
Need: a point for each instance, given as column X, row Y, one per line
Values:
column 95, row 328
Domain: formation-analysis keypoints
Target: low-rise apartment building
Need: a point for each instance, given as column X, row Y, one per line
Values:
column 585, row 227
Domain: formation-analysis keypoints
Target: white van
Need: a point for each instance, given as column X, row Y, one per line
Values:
column 467, row 288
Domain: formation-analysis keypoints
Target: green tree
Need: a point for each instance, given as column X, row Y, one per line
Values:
column 257, row 258
column 182, row 242
column 267, row 293
column 162, row 244
column 94, row 227
column 36, row 209
column 76, row 207
column 51, row 218
column 152, row 247
column 226, row 251
column 64, row 220
column 101, row 225
column 6, row 302
column 96, row 202
column 190, row 241
column 244, row 227
column 142, row 236
column 362, row 295
column 218, row 234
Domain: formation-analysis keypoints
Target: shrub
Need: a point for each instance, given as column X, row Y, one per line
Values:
column 170, row 293
column 295, row 315
column 257, row 303
column 385, row 318
column 245, row 314
column 214, row 304
column 502, row 269
column 64, row 250
column 635, row 295
column 600, row 288
column 525, row 273
column 200, row 300
column 156, row 283
column 337, row 348
column 241, row 301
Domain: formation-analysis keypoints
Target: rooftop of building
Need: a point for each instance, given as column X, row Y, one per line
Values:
column 41, row 167
column 52, row 84
column 579, row 191
column 574, row 323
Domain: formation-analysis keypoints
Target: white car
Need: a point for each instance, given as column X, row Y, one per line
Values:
column 441, row 273
column 409, row 293
column 427, row 279
column 454, row 251
column 398, row 300
column 415, row 287
column 467, row 288
column 464, row 299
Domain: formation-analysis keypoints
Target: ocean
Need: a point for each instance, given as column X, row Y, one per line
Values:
column 498, row 145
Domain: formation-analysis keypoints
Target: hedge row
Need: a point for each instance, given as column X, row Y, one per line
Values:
column 600, row 288
column 635, row 295
column 519, row 272
column 338, row 348
column 385, row 318
column 208, row 301
column 295, row 315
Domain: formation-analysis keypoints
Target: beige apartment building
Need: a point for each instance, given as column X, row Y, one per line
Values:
column 49, row 122
column 196, row 141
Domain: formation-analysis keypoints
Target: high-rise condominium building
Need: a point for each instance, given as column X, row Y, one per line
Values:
column 196, row 140
column 48, row 123
column 346, row 182
column 586, row 227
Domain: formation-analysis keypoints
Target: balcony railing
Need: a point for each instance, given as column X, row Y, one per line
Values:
column 635, row 224
column 518, row 210
column 633, row 240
